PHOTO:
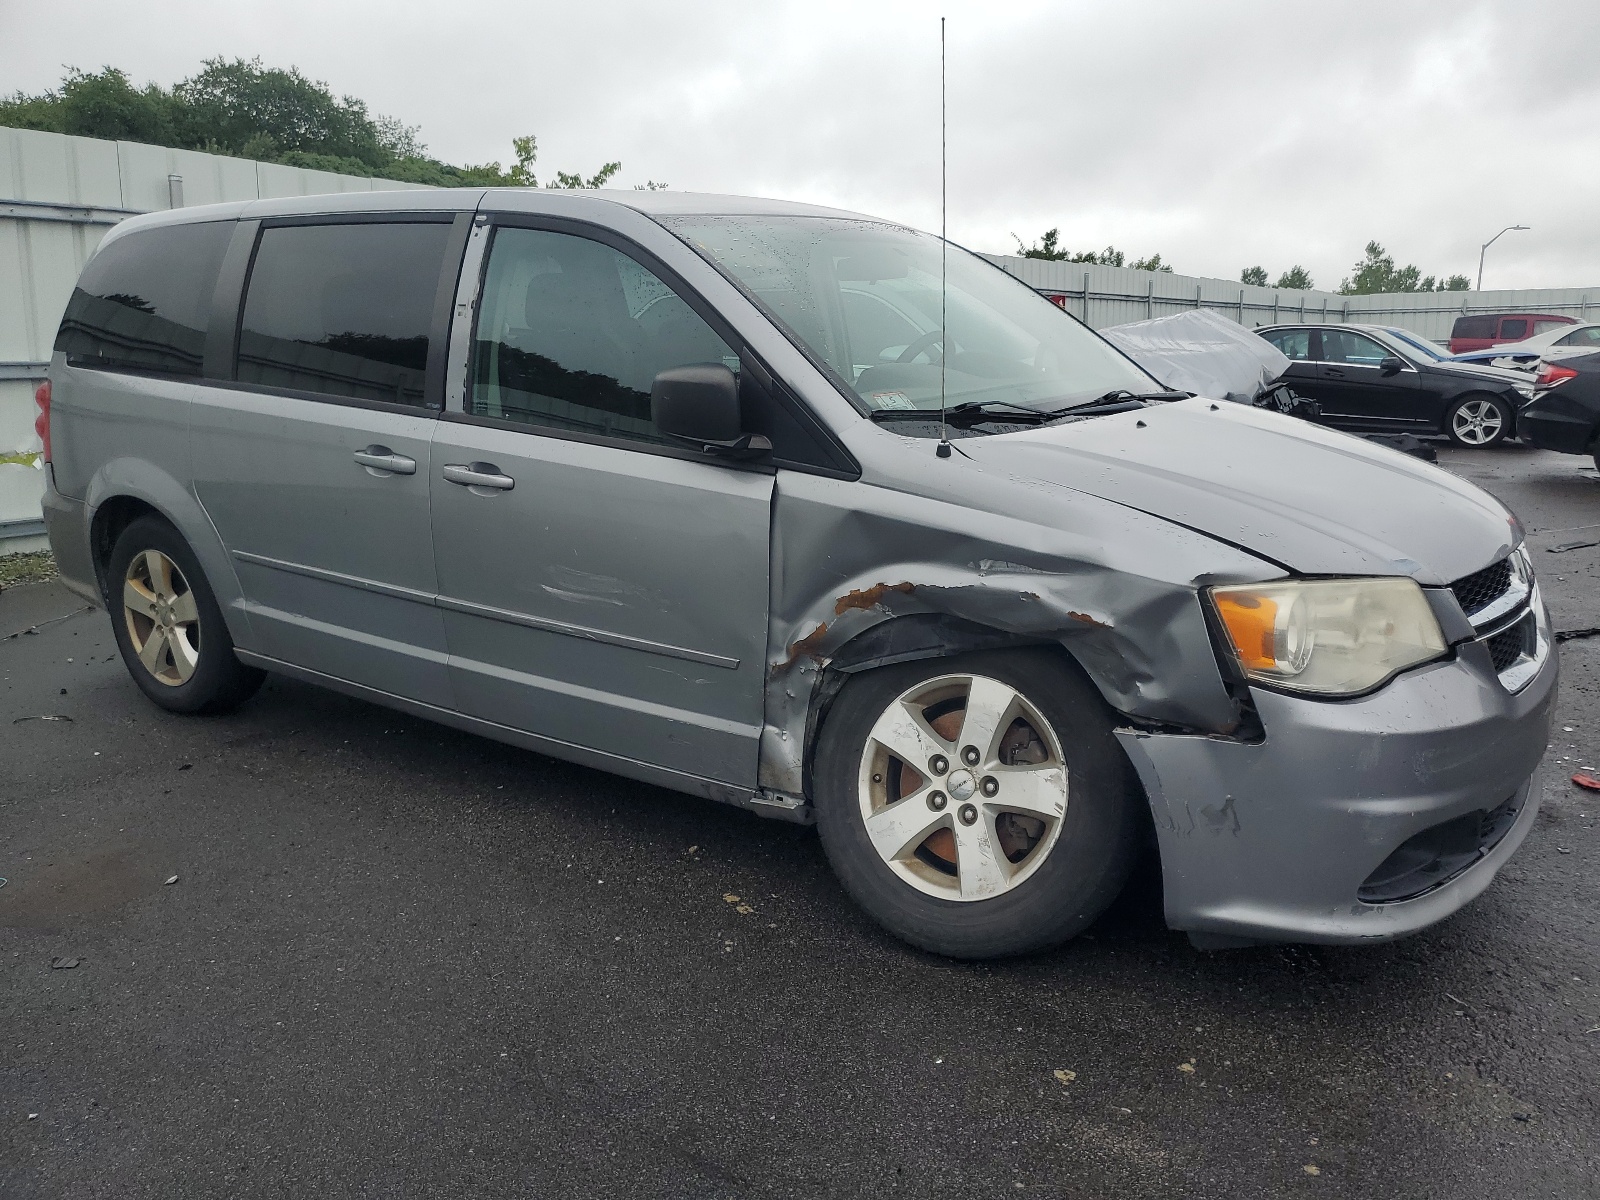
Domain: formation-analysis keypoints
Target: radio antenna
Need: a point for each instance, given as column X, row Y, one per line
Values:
column 943, row 450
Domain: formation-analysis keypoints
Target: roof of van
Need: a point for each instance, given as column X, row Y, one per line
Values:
column 658, row 203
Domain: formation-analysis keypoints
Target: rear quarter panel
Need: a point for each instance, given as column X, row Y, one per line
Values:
column 128, row 435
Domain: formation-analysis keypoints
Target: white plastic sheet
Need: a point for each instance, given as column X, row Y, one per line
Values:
column 1201, row 352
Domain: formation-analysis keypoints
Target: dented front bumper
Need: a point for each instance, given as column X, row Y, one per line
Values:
column 1273, row 840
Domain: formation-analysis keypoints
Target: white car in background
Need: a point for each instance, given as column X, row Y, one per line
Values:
column 1526, row 353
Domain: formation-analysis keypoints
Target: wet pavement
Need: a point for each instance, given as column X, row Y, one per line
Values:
column 400, row 960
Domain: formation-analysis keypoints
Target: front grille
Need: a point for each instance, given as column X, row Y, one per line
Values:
column 1435, row 856
column 1483, row 588
column 1507, row 646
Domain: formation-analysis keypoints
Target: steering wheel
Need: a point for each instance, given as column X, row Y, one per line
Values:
column 922, row 344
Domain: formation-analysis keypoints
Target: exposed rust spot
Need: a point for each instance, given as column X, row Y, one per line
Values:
column 1088, row 620
column 806, row 646
column 870, row 597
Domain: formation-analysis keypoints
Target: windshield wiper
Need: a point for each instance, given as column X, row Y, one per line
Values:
column 1123, row 396
column 976, row 412
column 967, row 413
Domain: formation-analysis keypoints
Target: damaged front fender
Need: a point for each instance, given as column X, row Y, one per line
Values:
column 1116, row 587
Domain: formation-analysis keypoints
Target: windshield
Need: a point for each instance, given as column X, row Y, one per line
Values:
column 864, row 298
column 1419, row 344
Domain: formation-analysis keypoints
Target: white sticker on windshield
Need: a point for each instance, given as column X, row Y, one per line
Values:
column 891, row 400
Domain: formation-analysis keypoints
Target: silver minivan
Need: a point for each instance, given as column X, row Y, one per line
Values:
column 658, row 483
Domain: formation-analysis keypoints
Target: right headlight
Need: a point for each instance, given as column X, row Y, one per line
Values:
column 1328, row 637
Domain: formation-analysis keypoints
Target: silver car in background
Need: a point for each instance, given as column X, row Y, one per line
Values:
column 655, row 482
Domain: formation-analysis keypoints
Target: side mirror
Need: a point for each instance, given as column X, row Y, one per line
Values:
column 1392, row 365
column 699, row 403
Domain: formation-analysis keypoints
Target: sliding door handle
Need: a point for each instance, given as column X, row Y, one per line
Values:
column 478, row 475
column 380, row 460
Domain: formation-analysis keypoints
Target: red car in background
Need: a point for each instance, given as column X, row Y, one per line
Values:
column 1483, row 330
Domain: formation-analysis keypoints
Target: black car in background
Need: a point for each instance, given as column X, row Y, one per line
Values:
column 1565, row 413
column 1369, row 379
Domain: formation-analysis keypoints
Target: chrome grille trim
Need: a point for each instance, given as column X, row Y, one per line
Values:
column 1519, row 587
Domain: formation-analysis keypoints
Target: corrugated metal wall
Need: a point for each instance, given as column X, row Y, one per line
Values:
column 1117, row 295
column 58, row 196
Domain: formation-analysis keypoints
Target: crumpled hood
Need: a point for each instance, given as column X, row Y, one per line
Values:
column 1314, row 500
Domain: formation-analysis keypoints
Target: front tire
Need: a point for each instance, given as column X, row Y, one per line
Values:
column 1478, row 421
column 977, row 806
column 169, row 626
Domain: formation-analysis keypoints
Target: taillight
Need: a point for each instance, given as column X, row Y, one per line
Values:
column 41, row 423
column 1550, row 375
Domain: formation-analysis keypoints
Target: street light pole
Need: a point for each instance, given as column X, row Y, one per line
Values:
column 1485, row 250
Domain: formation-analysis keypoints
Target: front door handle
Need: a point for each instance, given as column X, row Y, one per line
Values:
column 478, row 475
column 380, row 460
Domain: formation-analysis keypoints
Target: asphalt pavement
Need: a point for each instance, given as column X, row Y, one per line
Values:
column 319, row 948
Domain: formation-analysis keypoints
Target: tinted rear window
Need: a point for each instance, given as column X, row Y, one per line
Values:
column 1514, row 327
column 143, row 302
column 1473, row 327
column 342, row 310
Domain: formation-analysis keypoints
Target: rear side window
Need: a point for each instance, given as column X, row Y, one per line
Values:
column 572, row 333
column 1546, row 326
column 342, row 310
column 1295, row 343
column 1473, row 327
column 143, row 302
column 1589, row 336
column 1513, row 328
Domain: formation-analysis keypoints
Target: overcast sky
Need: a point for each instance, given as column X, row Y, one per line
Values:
column 1220, row 134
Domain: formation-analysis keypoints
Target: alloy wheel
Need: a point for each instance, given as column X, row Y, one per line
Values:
column 1477, row 422
column 163, row 621
column 963, row 787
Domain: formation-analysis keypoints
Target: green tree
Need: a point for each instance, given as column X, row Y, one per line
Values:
column 1109, row 257
column 1049, row 247
column 105, row 105
column 230, row 105
column 1296, row 279
column 1046, row 247
column 242, row 108
column 1254, row 275
column 1377, row 273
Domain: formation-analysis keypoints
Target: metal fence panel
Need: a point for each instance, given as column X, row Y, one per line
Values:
column 1103, row 296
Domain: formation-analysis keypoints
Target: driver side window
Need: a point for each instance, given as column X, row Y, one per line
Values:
column 572, row 333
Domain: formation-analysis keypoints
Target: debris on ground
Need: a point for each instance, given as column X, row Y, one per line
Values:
column 1064, row 1076
column 1565, row 546
column 1187, row 1067
column 44, row 717
column 1312, row 1169
column 37, row 566
column 1587, row 781
column 172, row 881
column 63, row 964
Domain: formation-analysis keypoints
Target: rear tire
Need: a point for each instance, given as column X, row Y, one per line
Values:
column 1016, row 854
column 1478, row 421
column 169, row 626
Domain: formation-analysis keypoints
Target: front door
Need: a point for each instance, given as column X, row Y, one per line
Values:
column 314, row 467
column 600, row 586
column 1354, row 390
